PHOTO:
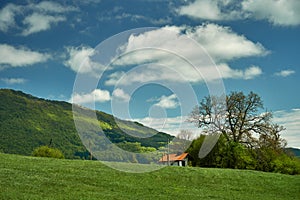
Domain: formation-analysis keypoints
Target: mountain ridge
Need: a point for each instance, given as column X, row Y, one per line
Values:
column 27, row 122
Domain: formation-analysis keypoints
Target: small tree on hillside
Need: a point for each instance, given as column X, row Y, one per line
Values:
column 45, row 151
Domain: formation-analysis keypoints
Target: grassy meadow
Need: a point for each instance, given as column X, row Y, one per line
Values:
column 24, row 177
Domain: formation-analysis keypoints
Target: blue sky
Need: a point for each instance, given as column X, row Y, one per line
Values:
column 46, row 47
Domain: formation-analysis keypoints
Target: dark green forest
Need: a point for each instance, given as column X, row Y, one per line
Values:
column 28, row 122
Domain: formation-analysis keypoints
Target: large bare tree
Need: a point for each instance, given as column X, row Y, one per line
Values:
column 240, row 118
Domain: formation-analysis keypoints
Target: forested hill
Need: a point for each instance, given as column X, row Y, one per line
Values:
column 27, row 122
column 294, row 151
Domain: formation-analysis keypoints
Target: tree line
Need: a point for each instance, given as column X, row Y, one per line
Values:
column 246, row 136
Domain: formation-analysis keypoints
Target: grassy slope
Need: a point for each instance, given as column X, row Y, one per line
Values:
column 43, row 178
column 27, row 122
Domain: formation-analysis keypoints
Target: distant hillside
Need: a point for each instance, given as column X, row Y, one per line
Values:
column 294, row 151
column 27, row 122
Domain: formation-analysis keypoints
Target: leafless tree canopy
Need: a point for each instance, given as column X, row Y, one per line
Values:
column 185, row 135
column 240, row 118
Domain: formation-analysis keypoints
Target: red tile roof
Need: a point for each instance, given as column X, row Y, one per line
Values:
column 182, row 156
column 173, row 157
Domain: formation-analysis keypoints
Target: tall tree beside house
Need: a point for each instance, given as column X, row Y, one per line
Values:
column 238, row 117
column 248, row 139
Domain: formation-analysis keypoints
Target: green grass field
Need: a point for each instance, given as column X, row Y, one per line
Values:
column 43, row 178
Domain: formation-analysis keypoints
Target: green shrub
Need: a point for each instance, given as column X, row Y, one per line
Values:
column 230, row 154
column 45, row 151
column 286, row 165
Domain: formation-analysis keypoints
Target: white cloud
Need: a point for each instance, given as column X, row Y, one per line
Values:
column 96, row 95
column 220, row 41
column 120, row 94
column 130, row 16
column 181, row 73
column 252, row 72
column 169, row 62
column 170, row 125
column 210, row 10
column 161, row 21
column 113, row 78
column 278, row 12
column 7, row 17
column 290, row 119
column 247, row 74
column 202, row 9
column 285, row 73
column 80, row 60
column 77, row 55
column 167, row 102
column 155, row 73
column 40, row 22
column 36, row 17
column 52, row 7
column 135, row 18
column 20, row 57
column 11, row 81
column 224, row 44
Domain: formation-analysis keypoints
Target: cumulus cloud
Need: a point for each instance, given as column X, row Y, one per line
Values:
column 11, row 81
column 155, row 73
column 11, row 56
column 283, row 12
column 210, row 10
column 201, row 9
column 36, row 17
column 159, row 59
column 170, row 125
column 182, row 74
column 80, row 60
column 121, row 95
column 7, row 16
column 45, row 15
column 167, row 102
column 277, row 12
column 39, row 22
column 252, row 72
column 221, row 42
column 96, row 95
column 290, row 119
column 247, row 74
column 285, row 73
column 224, row 44
column 113, row 78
